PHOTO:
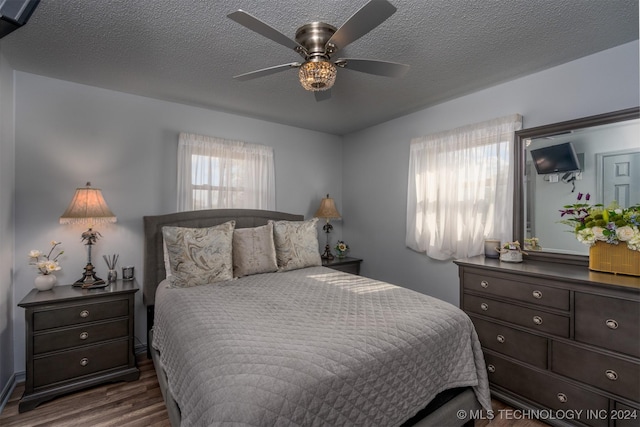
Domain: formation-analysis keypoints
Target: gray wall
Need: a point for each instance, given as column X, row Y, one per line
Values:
column 376, row 160
column 6, row 224
column 67, row 134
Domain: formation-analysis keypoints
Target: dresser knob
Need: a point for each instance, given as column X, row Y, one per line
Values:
column 537, row 320
column 484, row 306
column 611, row 324
column 491, row 368
column 84, row 313
column 484, row 284
column 612, row 375
column 562, row 397
column 537, row 294
column 84, row 361
column 500, row 338
column 84, row 335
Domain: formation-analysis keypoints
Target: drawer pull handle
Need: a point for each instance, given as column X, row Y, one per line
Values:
column 562, row 397
column 84, row 335
column 484, row 284
column 491, row 368
column 611, row 324
column 537, row 320
column 537, row 294
column 612, row 375
column 484, row 306
column 84, row 361
column 500, row 338
column 84, row 313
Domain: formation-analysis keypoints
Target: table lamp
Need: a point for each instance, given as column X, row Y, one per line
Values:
column 88, row 207
column 328, row 211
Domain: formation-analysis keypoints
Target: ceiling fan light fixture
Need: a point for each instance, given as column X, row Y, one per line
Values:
column 317, row 75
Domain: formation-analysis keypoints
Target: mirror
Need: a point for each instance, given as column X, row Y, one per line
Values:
column 606, row 148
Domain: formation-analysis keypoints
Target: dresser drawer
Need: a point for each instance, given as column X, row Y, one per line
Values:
column 353, row 268
column 79, row 335
column 625, row 416
column 79, row 362
column 546, row 389
column 522, row 291
column 609, row 373
column 535, row 319
column 520, row 345
column 611, row 323
column 81, row 313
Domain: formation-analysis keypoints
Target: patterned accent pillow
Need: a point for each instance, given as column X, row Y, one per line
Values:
column 296, row 244
column 254, row 251
column 199, row 256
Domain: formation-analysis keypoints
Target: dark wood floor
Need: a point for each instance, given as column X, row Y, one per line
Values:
column 138, row 403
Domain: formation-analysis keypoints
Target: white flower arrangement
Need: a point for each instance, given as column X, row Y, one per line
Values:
column 595, row 223
column 44, row 263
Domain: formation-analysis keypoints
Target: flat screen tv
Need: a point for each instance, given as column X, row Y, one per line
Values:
column 555, row 158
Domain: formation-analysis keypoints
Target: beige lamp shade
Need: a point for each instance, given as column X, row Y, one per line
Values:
column 87, row 207
column 327, row 209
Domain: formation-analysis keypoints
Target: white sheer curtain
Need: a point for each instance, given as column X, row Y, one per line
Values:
column 460, row 189
column 219, row 173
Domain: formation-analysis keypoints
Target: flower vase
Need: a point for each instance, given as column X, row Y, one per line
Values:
column 616, row 259
column 45, row 282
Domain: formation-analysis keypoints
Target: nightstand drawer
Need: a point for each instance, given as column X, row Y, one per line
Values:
column 611, row 323
column 609, row 373
column 521, row 291
column 80, row 335
column 81, row 313
column 534, row 319
column 523, row 346
column 82, row 361
column 546, row 389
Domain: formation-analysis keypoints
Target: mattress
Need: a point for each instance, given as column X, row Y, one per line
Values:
column 311, row 347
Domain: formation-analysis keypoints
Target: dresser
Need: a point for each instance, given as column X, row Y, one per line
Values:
column 77, row 338
column 557, row 337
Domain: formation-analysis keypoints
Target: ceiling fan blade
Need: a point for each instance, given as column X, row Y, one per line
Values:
column 364, row 20
column 372, row 66
column 254, row 24
column 266, row 71
column 322, row 95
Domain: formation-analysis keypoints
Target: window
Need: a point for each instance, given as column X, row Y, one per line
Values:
column 215, row 173
column 460, row 189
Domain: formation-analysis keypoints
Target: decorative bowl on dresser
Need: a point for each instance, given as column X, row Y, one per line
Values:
column 77, row 338
column 557, row 337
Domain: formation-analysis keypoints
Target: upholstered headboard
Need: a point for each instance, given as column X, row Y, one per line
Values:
column 153, row 255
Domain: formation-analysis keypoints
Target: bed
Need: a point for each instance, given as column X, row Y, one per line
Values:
column 303, row 345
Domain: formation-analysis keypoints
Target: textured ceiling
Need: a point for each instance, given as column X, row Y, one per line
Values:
column 188, row 50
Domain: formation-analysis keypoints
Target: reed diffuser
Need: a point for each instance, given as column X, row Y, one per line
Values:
column 111, row 261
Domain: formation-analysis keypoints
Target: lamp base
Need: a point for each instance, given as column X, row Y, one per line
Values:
column 89, row 279
column 327, row 255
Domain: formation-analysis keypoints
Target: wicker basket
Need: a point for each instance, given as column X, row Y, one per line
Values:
column 616, row 259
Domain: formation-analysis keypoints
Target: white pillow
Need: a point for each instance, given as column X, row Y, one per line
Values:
column 254, row 251
column 199, row 256
column 296, row 244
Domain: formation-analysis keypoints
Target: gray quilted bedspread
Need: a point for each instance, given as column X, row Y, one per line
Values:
column 311, row 347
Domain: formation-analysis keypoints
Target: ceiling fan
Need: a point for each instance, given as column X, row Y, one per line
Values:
column 317, row 42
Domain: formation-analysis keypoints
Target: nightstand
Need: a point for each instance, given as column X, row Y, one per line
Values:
column 77, row 338
column 346, row 264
